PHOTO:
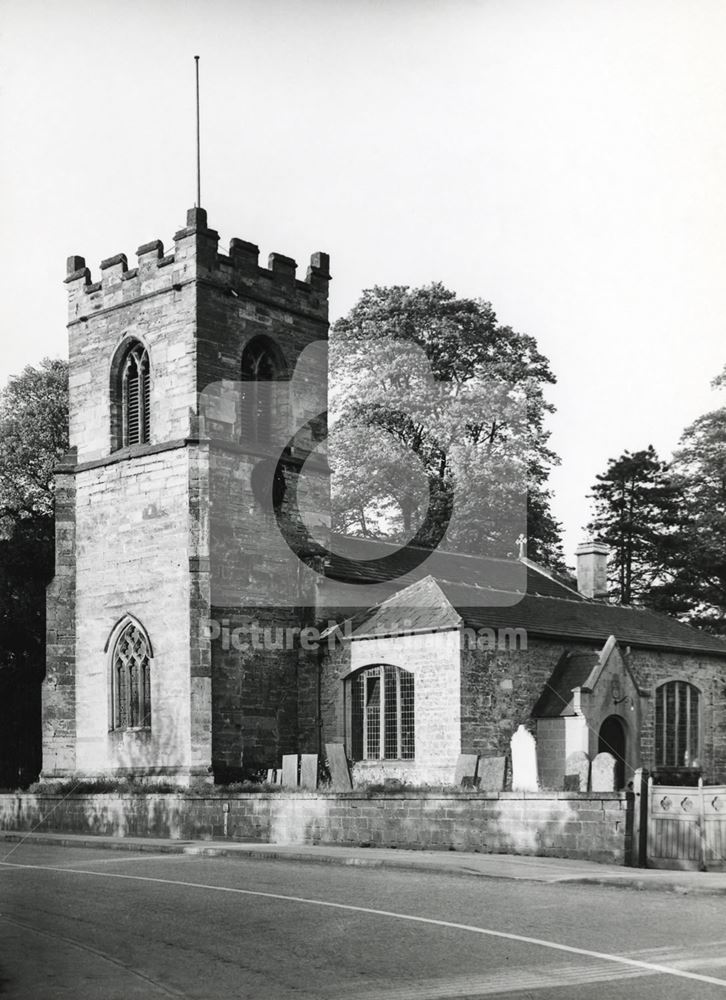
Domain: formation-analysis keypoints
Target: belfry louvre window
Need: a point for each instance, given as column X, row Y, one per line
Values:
column 136, row 396
column 262, row 366
column 131, row 679
column 382, row 714
column 677, row 714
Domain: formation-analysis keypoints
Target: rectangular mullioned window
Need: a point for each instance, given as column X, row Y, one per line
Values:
column 382, row 714
column 677, row 725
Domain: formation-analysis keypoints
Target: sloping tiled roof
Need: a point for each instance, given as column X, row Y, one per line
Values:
column 419, row 608
column 503, row 575
column 572, row 670
column 587, row 620
column 433, row 604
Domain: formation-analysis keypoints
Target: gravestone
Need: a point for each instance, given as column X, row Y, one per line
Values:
column 577, row 772
column 603, row 773
column 466, row 768
column 524, row 761
column 339, row 770
column 289, row 770
column 491, row 773
column 309, row 771
column 271, row 776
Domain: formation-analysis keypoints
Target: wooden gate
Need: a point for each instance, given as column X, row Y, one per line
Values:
column 686, row 826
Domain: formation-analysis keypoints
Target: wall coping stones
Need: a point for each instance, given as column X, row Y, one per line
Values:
column 429, row 796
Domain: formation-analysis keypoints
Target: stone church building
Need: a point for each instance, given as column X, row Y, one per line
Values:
column 182, row 558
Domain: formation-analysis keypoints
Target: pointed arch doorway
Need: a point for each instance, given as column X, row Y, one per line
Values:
column 612, row 738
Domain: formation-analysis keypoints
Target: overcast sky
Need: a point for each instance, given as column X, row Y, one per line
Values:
column 563, row 160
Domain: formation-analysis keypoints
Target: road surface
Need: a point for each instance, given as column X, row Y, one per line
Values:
column 84, row 923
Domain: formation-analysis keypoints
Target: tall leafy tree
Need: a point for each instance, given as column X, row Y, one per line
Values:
column 33, row 437
column 476, row 442
column 635, row 508
column 694, row 586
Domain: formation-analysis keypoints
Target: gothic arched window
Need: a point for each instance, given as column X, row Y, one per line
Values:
column 131, row 679
column 677, row 724
column 262, row 366
column 136, row 395
column 382, row 714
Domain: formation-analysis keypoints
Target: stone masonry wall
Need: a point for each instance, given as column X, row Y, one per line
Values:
column 254, row 577
column 132, row 543
column 156, row 304
column 433, row 659
column 59, row 685
column 556, row 739
column 570, row 825
column 499, row 689
column 653, row 667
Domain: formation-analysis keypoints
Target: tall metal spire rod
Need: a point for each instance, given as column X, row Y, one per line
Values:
column 199, row 168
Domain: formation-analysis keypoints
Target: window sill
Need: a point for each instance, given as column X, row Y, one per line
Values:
column 131, row 450
column 686, row 776
column 377, row 761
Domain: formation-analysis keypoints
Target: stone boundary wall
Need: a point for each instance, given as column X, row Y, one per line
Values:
column 594, row 826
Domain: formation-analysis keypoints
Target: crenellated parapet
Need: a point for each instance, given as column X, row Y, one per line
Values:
column 196, row 258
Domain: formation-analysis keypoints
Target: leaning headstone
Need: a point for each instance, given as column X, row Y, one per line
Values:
column 577, row 771
column 271, row 776
column 339, row 770
column 491, row 773
column 309, row 771
column 289, row 770
column 603, row 773
column 466, row 768
column 524, row 761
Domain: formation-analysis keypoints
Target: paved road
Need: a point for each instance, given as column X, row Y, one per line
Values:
column 82, row 923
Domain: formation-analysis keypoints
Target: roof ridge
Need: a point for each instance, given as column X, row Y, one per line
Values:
column 420, row 548
column 526, row 593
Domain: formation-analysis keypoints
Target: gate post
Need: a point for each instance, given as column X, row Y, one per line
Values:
column 702, row 823
column 638, row 820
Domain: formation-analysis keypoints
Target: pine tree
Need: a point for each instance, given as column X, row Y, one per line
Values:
column 635, row 512
column 694, row 586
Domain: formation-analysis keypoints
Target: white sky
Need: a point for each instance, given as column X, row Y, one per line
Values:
column 563, row 159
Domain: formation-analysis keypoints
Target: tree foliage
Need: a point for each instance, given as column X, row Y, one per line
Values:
column 666, row 524
column 694, row 585
column 635, row 507
column 475, row 443
column 33, row 437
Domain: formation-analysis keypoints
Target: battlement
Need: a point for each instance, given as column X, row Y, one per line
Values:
column 196, row 258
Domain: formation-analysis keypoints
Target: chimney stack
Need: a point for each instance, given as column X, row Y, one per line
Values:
column 592, row 576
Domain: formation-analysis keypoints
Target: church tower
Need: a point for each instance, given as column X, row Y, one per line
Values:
column 166, row 545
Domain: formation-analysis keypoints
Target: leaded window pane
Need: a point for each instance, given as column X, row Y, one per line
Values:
column 677, row 710
column 382, row 714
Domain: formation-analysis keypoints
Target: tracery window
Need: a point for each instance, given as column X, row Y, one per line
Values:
column 677, row 725
column 382, row 714
column 136, row 396
column 131, row 679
